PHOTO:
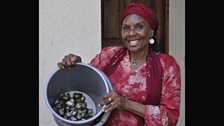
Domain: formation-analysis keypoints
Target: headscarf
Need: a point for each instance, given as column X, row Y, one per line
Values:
column 153, row 64
column 141, row 10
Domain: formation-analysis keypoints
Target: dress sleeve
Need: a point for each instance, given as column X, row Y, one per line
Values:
column 167, row 113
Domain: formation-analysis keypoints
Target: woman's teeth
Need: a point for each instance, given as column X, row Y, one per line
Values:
column 133, row 43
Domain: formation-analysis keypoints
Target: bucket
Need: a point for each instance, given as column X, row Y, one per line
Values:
column 85, row 79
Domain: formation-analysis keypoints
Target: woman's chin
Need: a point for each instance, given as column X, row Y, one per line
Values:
column 133, row 48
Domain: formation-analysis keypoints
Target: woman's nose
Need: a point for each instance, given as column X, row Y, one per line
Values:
column 132, row 32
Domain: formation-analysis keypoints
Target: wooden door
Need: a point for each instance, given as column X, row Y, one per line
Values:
column 111, row 28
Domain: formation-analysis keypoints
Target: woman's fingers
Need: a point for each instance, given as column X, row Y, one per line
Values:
column 60, row 66
column 112, row 101
column 73, row 59
column 69, row 61
column 110, row 106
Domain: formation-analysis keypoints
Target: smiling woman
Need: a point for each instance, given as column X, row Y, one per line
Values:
column 140, row 76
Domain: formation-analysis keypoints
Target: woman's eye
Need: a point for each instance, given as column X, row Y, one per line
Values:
column 139, row 27
column 126, row 28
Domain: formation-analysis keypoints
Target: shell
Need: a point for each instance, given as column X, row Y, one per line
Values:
column 82, row 99
column 78, row 105
column 77, row 95
column 61, row 112
column 90, row 112
column 73, row 118
column 72, row 108
column 68, row 114
column 84, row 105
column 69, row 103
column 79, row 116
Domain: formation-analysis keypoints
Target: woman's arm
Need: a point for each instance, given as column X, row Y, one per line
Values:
column 167, row 113
column 113, row 101
column 135, row 107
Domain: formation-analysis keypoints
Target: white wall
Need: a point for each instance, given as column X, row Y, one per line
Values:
column 65, row 26
column 74, row 26
column 177, row 45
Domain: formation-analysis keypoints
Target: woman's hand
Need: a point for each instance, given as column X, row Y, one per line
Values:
column 113, row 101
column 69, row 61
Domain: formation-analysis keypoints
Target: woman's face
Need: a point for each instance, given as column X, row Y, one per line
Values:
column 136, row 32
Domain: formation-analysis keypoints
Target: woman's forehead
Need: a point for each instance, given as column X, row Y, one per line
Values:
column 134, row 18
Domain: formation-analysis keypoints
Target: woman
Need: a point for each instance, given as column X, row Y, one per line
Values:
column 146, row 83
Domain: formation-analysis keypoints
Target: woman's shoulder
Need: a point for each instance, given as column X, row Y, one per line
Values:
column 167, row 57
column 103, row 58
column 167, row 60
column 111, row 49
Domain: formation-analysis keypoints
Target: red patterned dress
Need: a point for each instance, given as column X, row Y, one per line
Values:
column 132, row 85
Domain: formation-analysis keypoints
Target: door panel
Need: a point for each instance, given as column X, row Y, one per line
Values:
column 111, row 12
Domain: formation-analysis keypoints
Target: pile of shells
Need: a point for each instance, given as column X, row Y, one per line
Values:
column 73, row 107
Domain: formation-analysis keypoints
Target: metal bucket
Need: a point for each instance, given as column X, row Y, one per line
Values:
column 82, row 78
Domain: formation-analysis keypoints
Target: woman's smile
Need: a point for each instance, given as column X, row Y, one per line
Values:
column 134, row 42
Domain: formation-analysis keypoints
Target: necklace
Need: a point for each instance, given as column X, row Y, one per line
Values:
column 134, row 61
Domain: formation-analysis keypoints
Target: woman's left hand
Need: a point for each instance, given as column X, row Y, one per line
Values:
column 113, row 101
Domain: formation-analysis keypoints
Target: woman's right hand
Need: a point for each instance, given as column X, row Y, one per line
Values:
column 69, row 61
